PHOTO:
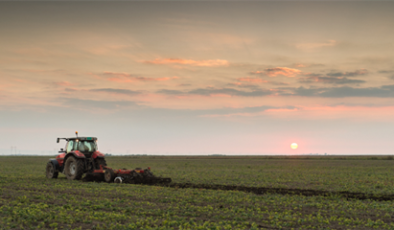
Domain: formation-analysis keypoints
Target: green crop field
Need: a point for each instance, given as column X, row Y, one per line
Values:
column 30, row 201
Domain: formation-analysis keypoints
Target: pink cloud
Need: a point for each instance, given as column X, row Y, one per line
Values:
column 310, row 46
column 299, row 65
column 125, row 77
column 273, row 72
column 207, row 63
column 281, row 110
column 252, row 80
column 63, row 83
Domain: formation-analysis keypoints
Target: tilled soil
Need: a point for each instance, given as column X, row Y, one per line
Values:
column 283, row 191
column 265, row 190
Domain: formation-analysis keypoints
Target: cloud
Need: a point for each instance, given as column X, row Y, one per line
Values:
column 339, row 78
column 230, row 111
column 230, row 91
column 63, row 83
column 125, row 78
column 93, row 104
column 246, row 111
column 117, row 91
column 218, row 91
column 330, row 80
column 334, row 92
column 349, row 74
column 279, row 83
column 311, row 46
column 386, row 71
column 299, row 65
column 244, row 85
column 184, row 84
column 252, row 80
column 345, row 91
column 359, row 92
column 301, row 91
column 273, row 72
column 307, row 65
column 207, row 63
column 171, row 92
column 252, row 83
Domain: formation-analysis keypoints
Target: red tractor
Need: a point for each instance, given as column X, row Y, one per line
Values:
column 81, row 156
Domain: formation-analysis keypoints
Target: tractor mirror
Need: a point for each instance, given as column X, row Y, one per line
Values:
column 57, row 141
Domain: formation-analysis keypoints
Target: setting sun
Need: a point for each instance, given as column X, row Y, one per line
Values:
column 294, row 145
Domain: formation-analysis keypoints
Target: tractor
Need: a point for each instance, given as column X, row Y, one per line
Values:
column 81, row 156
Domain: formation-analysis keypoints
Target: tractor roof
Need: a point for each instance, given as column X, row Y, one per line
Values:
column 77, row 138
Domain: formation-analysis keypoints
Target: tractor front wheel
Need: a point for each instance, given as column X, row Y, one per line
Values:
column 51, row 171
column 73, row 168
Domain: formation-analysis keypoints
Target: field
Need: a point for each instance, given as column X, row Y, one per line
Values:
column 294, row 193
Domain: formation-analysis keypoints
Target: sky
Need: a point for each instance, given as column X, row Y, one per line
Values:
column 190, row 78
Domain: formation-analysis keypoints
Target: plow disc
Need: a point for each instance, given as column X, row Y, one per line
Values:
column 134, row 176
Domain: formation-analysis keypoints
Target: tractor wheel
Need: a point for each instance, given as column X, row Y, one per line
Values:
column 109, row 175
column 73, row 168
column 51, row 171
column 100, row 161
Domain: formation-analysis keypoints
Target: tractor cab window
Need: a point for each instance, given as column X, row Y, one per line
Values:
column 86, row 146
column 69, row 147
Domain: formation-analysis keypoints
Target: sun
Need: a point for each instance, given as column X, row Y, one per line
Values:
column 294, row 146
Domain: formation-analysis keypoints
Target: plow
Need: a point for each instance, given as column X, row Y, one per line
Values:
column 81, row 156
column 134, row 176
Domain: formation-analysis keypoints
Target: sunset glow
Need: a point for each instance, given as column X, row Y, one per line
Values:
column 199, row 77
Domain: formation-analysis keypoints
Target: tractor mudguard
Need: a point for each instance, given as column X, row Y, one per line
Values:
column 77, row 154
column 56, row 165
column 97, row 154
column 60, row 159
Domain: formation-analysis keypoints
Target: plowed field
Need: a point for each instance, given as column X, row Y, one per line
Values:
column 207, row 193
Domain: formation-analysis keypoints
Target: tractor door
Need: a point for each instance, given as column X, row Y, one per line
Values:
column 70, row 146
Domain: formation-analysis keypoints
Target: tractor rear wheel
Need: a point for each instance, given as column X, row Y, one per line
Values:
column 51, row 171
column 73, row 168
column 109, row 175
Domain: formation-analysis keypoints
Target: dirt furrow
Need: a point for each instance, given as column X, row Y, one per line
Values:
column 283, row 191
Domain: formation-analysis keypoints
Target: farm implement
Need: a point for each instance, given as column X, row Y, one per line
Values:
column 82, row 157
column 134, row 176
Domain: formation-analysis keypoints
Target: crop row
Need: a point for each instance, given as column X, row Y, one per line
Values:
column 28, row 204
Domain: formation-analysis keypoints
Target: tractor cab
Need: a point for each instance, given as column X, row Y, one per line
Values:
column 85, row 145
